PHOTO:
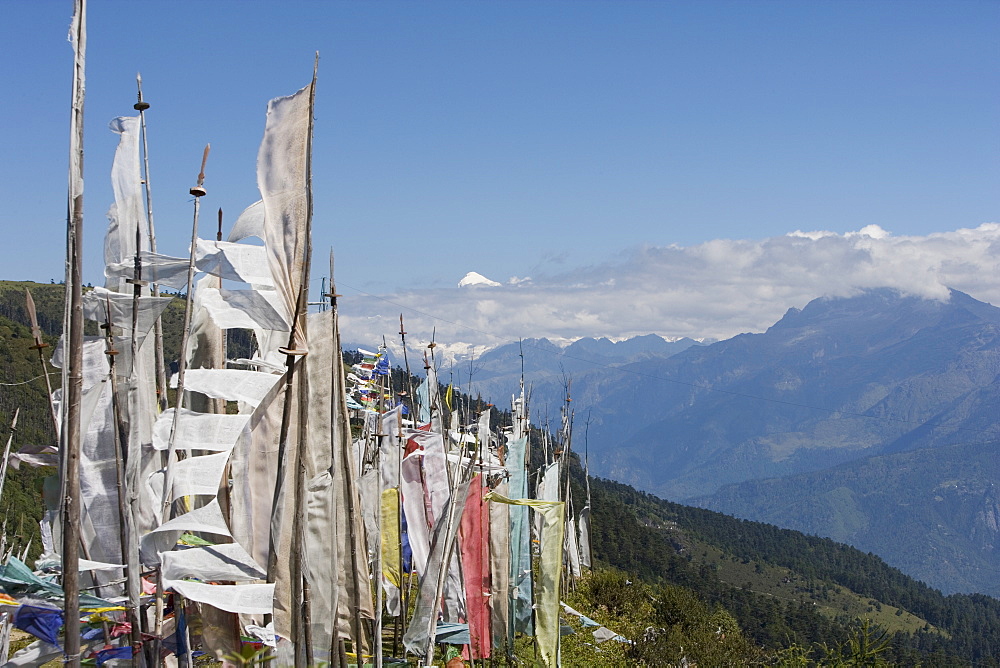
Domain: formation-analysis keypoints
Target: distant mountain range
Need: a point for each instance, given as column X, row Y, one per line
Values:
column 839, row 380
column 547, row 366
column 870, row 419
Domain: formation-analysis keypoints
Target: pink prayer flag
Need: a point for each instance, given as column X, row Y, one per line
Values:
column 475, row 545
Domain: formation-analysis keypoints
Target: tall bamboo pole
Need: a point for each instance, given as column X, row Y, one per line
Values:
column 377, row 580
column 120, row 439
column 337, row 416
column 300, row 623
column 300, row 589
column 299, row 578
column 161, row 374
column 399, row 626
column 130, row 548
column 6, row 452
column 342, row 458
column 40, row 345
column 198, row 192
column 74, row 344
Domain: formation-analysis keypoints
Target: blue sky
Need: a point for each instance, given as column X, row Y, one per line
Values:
column 518, row 138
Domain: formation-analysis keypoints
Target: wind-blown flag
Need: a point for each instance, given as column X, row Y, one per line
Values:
column 474, row 542
column 283, row 180
column 520, row 541
column 43, row 623
column 550, row 565
column 428, row 604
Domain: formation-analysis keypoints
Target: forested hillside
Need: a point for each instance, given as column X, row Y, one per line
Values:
column 23, row 389
column 786, row 588
column 936, row 508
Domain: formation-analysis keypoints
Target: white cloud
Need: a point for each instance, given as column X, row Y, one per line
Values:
column 716, row 289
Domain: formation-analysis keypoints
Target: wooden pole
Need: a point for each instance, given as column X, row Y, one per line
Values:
column 6, row 452
column 74, row 345
column 377, row 580
column 130, row 548
column 300, row 622
column 341, row 457
column 198, row 192
column 161, row 374
column 120, row 444
column 336, row 416
column 399, row 626
column 40, row 345
column 305, row 631
column 160, row 365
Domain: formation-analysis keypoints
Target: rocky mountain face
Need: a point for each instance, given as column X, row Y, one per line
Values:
column 872, row 420
column 840, row 380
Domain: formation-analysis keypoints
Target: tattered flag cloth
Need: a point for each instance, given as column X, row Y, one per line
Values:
column 584, row 619
column 452, row 633
column 552, row 518
column 110, row 653
column 43, row 623
column 520, row 541
column 391, row 558
column 34, row 455
column 17, row 578
column 474, row 544
column 35, row 654
column 424, row 621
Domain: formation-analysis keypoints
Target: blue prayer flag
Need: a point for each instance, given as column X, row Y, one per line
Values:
column 42, row 623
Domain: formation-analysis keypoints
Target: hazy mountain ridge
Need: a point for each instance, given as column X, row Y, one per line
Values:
column 825, row 394
column 839, row 380
column 581, row 356
column 547, row 365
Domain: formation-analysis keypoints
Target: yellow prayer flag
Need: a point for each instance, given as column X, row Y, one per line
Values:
column 390, row 535
column 550, row 566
